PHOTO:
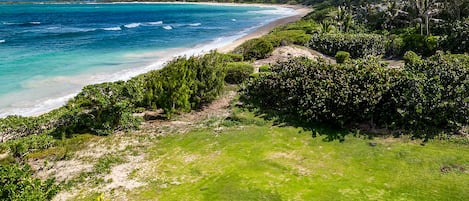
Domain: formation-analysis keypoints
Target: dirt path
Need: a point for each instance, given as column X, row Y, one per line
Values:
column 185, row 122
column 283, row 53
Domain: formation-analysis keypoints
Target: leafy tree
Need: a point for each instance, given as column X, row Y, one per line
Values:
column 176, row 80
column 209, row 78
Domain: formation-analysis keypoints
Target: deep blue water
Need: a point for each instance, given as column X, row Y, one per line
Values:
column 48, row 52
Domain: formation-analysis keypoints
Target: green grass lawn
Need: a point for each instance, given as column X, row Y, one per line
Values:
column 258, row 161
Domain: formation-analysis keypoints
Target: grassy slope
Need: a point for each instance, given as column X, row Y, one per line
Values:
column 265, row 162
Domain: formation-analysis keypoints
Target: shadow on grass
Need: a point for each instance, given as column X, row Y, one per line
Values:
column 283, row 119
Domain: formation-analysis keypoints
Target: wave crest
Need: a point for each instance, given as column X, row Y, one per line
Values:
column 132, row 25
column 167, row 27
column 155, row 23
column 195, row 24
column 112, row 29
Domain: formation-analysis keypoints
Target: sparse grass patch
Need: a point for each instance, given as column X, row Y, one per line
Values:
column 105, row 163
column 64, row 148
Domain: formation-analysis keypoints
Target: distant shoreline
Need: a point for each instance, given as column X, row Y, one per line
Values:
column 263, row 30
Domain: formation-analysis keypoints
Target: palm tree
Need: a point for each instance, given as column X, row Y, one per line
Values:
column 343, row 19
column 424, row 10
column 392, row 11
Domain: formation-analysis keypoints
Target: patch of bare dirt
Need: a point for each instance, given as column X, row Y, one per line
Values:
column 61, row 170
column 219, row 108
column 283, row 53
column 120, row 175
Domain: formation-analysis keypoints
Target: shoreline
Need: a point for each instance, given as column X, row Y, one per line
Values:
column 222, row 45
column 264, row 30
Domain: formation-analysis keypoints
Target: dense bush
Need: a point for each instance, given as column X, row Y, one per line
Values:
column 20, row 147
column 433, row 95
column 287, row 37
column 424, row 45
column 234, row 57
column 258, row 48
column 342, row 56
column 237, row 72
column 186, row 83
column 457, row 39
column 264, row 68
column 394, row 46
column 101, row 109
column 411, row 58
column 319, row 92
column 427, row 96
column 358, row 45
column 17, row 183
column 308, row 26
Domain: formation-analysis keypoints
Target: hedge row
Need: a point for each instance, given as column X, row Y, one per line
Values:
column 426, row 96
column 358, row 45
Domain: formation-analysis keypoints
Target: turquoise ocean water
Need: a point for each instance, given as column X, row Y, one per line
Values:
column 48, row 52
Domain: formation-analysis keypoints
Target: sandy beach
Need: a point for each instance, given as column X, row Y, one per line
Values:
column 301, row 11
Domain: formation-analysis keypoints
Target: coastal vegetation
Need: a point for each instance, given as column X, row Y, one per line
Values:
column 426, row 96
column 301, row 129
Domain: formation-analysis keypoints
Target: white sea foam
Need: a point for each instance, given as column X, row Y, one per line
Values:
column 9, row 23
column 195, row 24
column 34, row 23
column 112, row 29
column 132, row 25
column 155, row 23
column 167, row 27
column 2, row 41
column 276, row 11
column 234, row 20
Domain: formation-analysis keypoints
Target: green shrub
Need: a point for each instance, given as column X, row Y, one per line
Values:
column 358, row 45
column 100, row 109
column 424, row 45
column 209, row 77
column 264, row 68
column 188, row 83
column 395, row 46
column 258, row 48
column 234, row 57
column 427, row 96
column 18, row 148
column 308, row 26
column 298, row 37
column 17, row 183
column 338, row 94
column 342, row 56
column 237, row 72
column 457, row 39
column 433, row 95
column 411, row 58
